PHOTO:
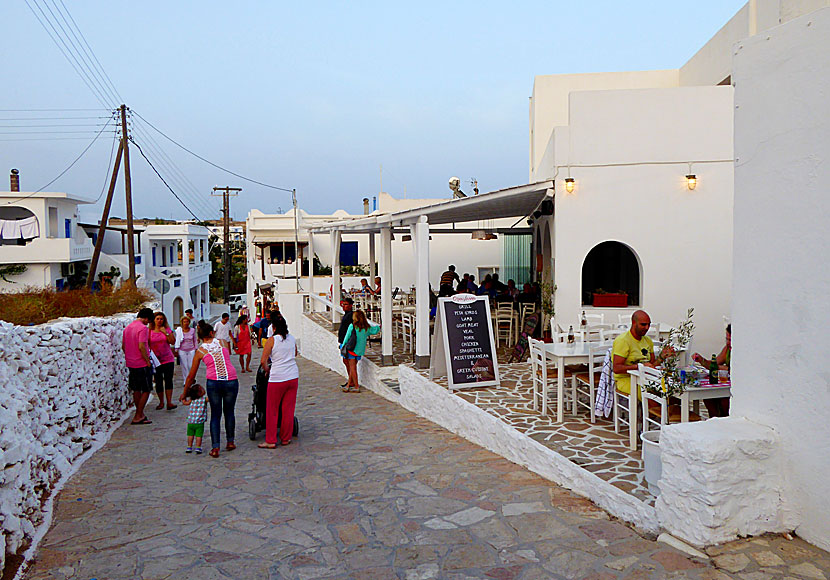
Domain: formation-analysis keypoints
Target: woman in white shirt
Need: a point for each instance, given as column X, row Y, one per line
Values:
column 278, row 357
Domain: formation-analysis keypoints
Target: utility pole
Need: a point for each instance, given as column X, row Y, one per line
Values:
column 227, row 192
column 123, row 149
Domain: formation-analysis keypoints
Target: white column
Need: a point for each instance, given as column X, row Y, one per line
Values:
column 372, row 268
column 421, row 238
column 186, row 271
column 311, row 267
column 386, row 294
column 198, row 311
column 335, row 276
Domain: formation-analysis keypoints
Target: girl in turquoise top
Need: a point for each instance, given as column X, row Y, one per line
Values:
column 361, row 330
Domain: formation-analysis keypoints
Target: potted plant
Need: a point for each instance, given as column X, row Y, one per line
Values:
column 604, row 299
column 108, row 276
column 548, row 289
column 670, row 385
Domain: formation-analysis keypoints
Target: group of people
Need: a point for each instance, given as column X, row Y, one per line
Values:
column 151, row 347
column 633, row 347
column 451, row 283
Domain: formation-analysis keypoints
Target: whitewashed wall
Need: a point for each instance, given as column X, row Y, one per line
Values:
column 782, row 282
column 63, row 384
column 682, row 238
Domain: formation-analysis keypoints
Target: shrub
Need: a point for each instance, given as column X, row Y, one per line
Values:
column 39, row 305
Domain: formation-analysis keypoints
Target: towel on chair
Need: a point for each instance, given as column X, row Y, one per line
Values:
column 605, row 390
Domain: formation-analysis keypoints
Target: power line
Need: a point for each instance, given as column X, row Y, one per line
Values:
column 211, row 162
column 44, row 110
column 165, row 182
column 54, row 38
column 57, row 126
column 61, row 174
column 54, row 118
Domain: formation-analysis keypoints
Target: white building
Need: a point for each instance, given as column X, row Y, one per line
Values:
column 178, row 263
column 41, row 231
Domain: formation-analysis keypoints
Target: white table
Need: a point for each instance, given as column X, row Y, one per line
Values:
column 697, row 394
column 564, row 353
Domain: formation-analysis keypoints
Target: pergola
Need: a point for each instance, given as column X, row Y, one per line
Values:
column 519, row 202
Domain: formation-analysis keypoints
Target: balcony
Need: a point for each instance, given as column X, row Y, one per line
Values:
column 195, row 271
column 47, row 251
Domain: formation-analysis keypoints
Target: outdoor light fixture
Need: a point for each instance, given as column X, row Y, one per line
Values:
column 691, row 181
column 569, row 184
column 479, row 235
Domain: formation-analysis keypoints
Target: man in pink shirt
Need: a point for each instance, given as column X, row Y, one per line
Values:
column 137, row 352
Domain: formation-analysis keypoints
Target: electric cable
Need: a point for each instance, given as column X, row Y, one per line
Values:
column 165, row 182
column 61, row 174
column 211, row 162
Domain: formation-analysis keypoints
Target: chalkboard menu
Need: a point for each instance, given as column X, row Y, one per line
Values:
column 467, row 354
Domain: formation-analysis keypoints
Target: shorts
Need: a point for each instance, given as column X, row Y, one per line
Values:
column 195, row 429
column 141, row 380
column 352, row 356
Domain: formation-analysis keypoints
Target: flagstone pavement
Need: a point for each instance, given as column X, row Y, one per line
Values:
column 367, row 490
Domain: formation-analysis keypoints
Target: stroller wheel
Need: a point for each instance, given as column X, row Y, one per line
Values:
column 296, row 427
column 252, row 429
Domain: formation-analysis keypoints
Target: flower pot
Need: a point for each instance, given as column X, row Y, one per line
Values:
column 610, row 300
column 652, row 464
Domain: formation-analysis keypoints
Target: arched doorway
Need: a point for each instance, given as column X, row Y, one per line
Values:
column 178, row 311
column 611, row 268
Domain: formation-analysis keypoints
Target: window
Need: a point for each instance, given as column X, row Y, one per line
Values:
column 137, row 258
column 172, row 260
column 348, row 253
column 154, row 256
column 611, row 268
column 177, row 283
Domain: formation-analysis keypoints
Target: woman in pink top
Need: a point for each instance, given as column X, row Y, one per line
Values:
column 161, row 337
column 222, row 385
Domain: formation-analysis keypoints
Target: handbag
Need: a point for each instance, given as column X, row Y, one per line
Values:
column 350, row 343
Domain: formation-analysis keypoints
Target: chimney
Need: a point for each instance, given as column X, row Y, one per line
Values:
column 15, row 180
column 365, row 206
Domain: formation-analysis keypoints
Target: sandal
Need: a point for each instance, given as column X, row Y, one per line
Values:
column 354, row 389
column 345, row 388
column 230, row 446
column 160, row 406
column 286, row 443
column 214, row 452
column 171, row 406
column 144, row 421
column 267, row 446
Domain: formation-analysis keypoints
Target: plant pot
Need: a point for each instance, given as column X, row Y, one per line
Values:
column 652, row 464
column 610, row 300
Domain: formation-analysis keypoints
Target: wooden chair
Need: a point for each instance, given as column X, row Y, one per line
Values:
column 503, row 320
column 539, row 373
column 657, row 411
column 622, row 404
column 525, row 308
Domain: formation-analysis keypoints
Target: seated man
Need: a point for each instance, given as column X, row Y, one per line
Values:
column 632, row 348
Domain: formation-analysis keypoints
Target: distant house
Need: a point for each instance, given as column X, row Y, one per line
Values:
column 41, row 231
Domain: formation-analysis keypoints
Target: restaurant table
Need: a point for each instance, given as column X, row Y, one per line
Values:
column 690, row 395
column 564, row 353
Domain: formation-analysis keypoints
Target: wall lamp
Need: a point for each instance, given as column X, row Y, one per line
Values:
column 569, row 184
column 691, row 181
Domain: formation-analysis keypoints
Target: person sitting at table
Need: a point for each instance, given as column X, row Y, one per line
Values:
column 377, row 285
column 526, row 295
column 365, row 289
column 472, row 287
column 632, row 348
column 448, row 278
column 503, row 297
column 462, row 285
column 511, row 289
column 718, row 407
column 498, row 285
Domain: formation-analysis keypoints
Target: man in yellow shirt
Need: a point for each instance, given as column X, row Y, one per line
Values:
column 631, row 349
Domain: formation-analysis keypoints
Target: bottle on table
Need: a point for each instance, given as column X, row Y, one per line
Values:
column 584, row 322
column 713, row 371
column 571, row 334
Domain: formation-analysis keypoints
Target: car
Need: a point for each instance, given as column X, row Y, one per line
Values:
column 236, row 301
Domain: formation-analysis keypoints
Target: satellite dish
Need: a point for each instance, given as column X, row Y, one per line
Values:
column 455, row 187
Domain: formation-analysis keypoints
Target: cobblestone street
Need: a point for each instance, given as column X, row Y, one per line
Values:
column 367, row 490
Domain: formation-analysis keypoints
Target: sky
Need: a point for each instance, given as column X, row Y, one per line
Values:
column 315, row 97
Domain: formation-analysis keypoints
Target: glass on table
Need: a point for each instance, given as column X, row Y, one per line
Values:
column 723, row 376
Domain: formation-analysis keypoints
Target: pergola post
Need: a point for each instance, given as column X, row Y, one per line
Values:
column 372, row 268
column 310, row 268
column 386, row 295
column 420, row 235
column 335, row 277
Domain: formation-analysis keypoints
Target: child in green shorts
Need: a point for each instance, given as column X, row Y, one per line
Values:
column 196, row 416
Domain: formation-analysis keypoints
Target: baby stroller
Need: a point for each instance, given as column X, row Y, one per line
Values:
column 256, row 418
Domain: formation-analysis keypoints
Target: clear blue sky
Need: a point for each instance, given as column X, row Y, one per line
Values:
column 318, row 95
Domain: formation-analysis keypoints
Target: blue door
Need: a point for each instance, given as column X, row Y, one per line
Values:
column 67, row 224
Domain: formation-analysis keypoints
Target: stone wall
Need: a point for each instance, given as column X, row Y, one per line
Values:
column 63, row 385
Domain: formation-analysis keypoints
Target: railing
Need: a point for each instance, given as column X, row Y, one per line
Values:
column 329, row 305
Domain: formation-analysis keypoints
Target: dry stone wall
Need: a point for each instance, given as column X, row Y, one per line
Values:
column 61, row 385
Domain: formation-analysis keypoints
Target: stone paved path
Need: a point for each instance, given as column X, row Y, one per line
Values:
column 367, row 490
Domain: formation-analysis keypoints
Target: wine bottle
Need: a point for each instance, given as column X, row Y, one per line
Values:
column 713, row 371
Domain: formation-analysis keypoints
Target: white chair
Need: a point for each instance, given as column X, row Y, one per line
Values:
column 407, row 325
column 525, row 308
column 586, row 383
column 595, row 319
column 610, row 334
column 624, row 318
column 539, row 374
column 593, row 332
column 623, row 404
column 661, row 412
column 579, row 336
